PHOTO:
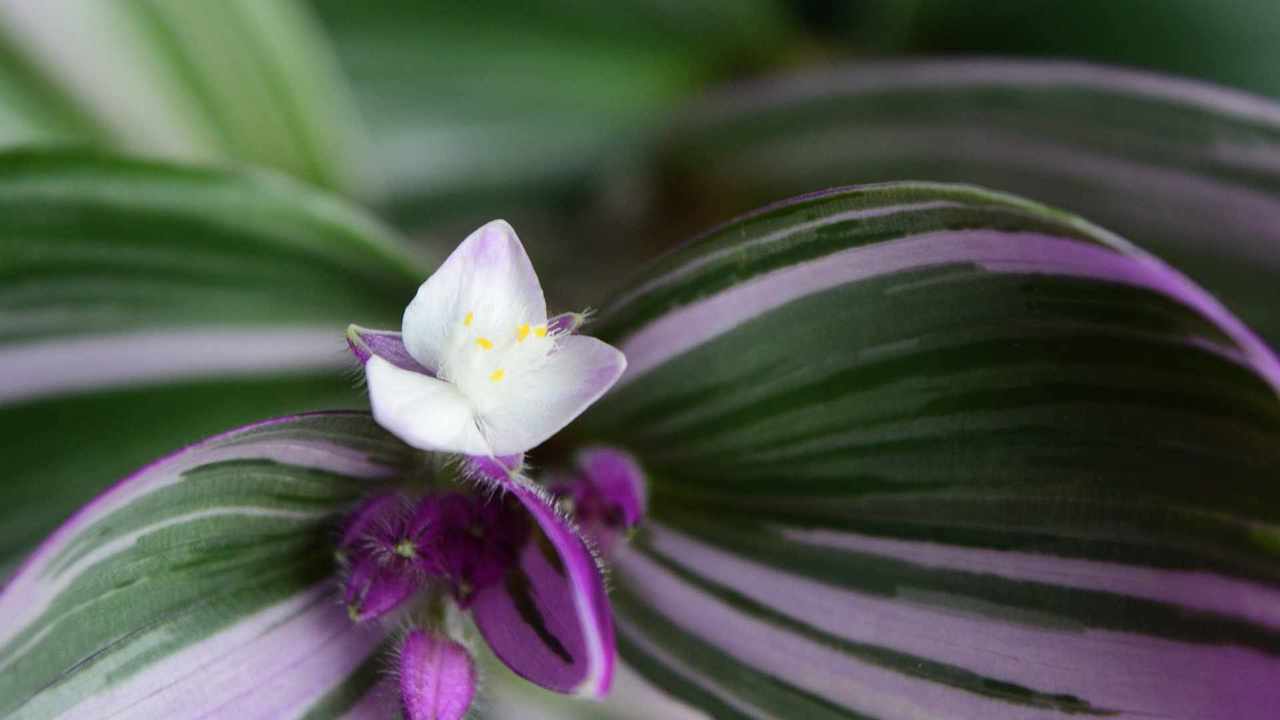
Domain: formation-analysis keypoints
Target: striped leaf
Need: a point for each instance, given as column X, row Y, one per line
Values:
column 236, row 80
column 204, row 581
column 1186, row 170
column 926, row 451
column 145, row 306
column 206, row 584
column 517, row 105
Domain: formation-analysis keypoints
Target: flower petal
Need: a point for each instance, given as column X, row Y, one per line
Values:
column 488, row 279
column 386, row 344
column 575, row 375
column 550, row 621
column 426, row 413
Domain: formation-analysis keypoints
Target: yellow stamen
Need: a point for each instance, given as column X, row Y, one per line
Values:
column 485, row 343
column 496, row 375
column 467, row 320
column 540, row 331
column 522, row 332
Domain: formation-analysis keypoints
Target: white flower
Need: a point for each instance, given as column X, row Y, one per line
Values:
column 477, row 369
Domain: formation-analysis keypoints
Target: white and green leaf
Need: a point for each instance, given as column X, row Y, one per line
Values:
column 929, row 451
column 236, row 81
column 145, row 306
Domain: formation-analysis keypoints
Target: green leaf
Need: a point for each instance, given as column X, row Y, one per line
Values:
column 145, row 306
column 205, row 574
column 239, row 80
column 1230, row 43
column 920, row 450
column 1185, row 170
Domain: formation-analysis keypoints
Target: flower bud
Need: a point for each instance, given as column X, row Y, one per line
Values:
column 373, row 589
column 607, row 490
column 437, row 677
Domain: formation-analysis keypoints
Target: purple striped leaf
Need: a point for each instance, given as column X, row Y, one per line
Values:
column 203, row 584
column 207, row 583
column 919, row 450
column 1183, row 168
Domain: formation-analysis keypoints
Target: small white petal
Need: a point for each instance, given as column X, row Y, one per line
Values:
column 488, row 279
column 575, row 375
column 426, row 413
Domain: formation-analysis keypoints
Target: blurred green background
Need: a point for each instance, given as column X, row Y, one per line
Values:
column 440, row 116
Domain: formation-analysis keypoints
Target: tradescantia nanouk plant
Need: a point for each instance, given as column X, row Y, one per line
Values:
column 908, row 450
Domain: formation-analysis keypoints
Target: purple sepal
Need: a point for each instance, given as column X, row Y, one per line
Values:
column 437, row 677
column 374, row 588
column 565, row 323
column 548, row 619
column 386, row 344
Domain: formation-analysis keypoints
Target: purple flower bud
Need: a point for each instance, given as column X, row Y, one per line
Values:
column 373, row 588
column 618, row 484
column 371, row 513
column 475, row 541
column 608, row 493
column 437, row 677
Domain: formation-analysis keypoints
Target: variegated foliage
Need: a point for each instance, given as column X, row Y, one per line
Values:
column 927, row 451
column 1188, row 171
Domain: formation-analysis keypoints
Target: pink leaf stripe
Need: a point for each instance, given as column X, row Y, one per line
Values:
column 997, row 252
column 1131, row 675
column 51, row 368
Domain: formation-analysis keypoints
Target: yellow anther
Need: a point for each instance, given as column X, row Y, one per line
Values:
column 496, row 375
column 467, row 320
column 485, row 343
column 522, row 332
column 540, row 331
